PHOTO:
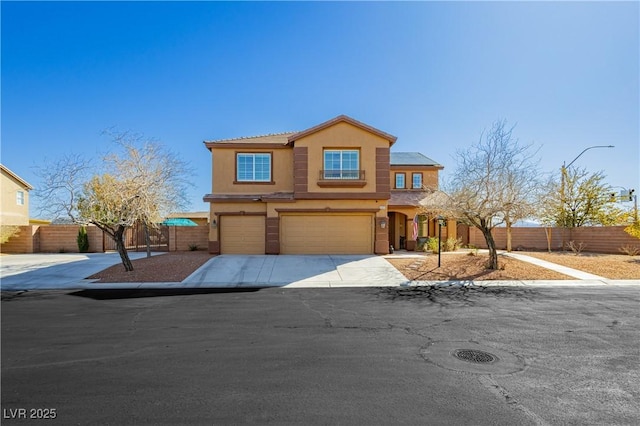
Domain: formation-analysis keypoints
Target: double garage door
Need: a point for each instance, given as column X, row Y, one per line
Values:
column 326, row 234
column 300, row 234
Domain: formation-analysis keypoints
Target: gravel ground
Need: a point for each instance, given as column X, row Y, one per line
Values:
column 612, row 266
column 169, row 267
column 464, row 266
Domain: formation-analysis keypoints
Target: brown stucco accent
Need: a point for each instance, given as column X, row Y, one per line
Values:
column 382, row 172
column 249, row 198
column 342, row 196
column 326, row 210
column 338, row 183
column 246, row 145
column 300, row 170
column 346, row 119
column 273, row 235
column 381, row 245
column 239, row 213
column 214, row 247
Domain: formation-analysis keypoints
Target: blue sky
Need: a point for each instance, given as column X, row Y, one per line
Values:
column 434, row 74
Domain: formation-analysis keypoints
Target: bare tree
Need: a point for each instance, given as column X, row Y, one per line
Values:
column 139, row 182
column 493, row 183
column 157, row 176
column 60, row 185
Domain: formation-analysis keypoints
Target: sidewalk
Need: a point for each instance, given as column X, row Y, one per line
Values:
column 66, row 272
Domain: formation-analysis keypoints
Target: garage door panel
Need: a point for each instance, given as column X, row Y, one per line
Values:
column 326, row 234
column 242, row 234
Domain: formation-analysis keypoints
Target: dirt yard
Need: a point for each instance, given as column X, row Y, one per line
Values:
column 176, row 266
column 612, row 266
column 462, row 266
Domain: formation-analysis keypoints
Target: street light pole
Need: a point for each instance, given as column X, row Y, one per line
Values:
column 563, row 171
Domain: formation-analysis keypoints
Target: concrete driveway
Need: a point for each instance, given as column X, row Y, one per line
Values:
column 54, row 270
column 296, row 271
column 69, row 271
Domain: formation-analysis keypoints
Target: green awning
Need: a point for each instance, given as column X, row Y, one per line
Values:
column 179, row 221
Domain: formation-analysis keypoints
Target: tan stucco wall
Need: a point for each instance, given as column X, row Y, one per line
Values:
column 11, row 212
column 342, row 136
column 429, row 176
column 224, row 171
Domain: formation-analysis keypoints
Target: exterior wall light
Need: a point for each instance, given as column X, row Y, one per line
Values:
column 383, row 224
column 214, row 224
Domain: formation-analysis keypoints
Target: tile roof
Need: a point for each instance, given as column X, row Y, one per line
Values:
column 274, row 138
column 411, row 159
column 407, row 197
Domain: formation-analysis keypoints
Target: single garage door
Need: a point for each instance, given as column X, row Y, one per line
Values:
column 326, row 234
column 242, row 235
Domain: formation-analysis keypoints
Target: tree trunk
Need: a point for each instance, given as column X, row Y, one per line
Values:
column 118, row 236
column 491, row 245
column 147, row 239
column 508, row 236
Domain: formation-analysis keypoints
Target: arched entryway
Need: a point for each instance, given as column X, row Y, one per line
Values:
column 397, row 230
column 407, row 231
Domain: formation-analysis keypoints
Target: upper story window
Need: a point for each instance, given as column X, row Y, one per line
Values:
column 416, row 181
column 400, row 180
column 253, row 167
column 341, row 164
column 20, row 198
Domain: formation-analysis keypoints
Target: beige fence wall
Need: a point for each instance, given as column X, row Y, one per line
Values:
column 182, row 238
column 23, row 242
column 63, row 238
column 597, row 239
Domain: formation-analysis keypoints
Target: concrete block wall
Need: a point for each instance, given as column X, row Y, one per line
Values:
column 181, row 237
column 599, row 239
column 21, row 243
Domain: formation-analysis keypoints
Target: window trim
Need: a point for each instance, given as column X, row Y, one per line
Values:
column 236, row 179
column 325, row 169
column 413, row 182
column 404, row 180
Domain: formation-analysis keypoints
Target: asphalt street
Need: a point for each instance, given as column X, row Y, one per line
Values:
column 446, row 355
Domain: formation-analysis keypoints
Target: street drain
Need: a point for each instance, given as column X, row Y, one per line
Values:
column 473, row 355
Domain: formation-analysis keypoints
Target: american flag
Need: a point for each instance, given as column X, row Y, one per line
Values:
column 415, row 227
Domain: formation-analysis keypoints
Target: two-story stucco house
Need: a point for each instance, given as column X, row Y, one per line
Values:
column 14, row 201
column 335, row 188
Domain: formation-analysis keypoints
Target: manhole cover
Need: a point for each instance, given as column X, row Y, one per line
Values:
column 473, row 355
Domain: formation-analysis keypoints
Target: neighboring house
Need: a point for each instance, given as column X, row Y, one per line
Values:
column 335, row 188
column 14, row 200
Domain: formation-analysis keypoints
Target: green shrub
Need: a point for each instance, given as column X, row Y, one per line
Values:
column 452, row 244
column 193, row 247
column 432, row 245
column 83, row 240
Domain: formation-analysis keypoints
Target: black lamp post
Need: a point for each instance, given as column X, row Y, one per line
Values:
column 440, row 222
